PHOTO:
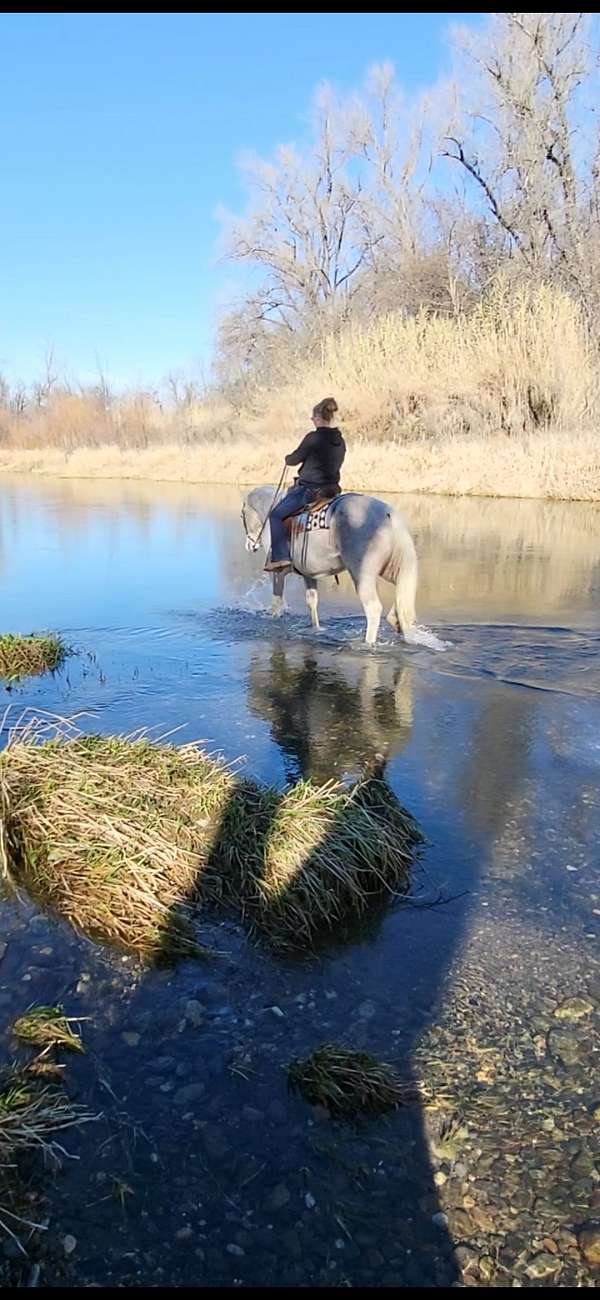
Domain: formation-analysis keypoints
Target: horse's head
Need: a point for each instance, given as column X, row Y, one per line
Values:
column 255, row 509
column 252, row 525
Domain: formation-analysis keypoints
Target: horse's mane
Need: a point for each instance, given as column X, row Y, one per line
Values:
column 261, row 498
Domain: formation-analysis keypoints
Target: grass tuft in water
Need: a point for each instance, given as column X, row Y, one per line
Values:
column 110, row 831
column 32, row 1114
column 47, row 1027
column 306, row 862
column 349, row 1084
column 126, row 836
column 28, row 656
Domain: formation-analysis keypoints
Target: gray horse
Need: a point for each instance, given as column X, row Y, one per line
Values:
column 353, row 533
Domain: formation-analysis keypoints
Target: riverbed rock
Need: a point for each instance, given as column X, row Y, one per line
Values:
column 589, row 1243
column 191, row 1092
column 564, row 1047
column 542, row 1265
column 194, row 1013
column 583, row 1165
column 573, row 1009
column 461, row 1224
column 252, row 1115
column 487, row 1268
column 279, row 1196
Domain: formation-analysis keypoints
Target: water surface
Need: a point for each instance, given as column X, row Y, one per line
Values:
column 494, row 746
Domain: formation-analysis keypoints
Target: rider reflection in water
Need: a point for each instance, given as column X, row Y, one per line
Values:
column 320, row 457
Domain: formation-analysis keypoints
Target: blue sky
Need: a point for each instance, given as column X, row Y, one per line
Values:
column 119, row 139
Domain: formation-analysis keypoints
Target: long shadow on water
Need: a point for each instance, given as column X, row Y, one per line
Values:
column 233, row 1180
column 363, row 1204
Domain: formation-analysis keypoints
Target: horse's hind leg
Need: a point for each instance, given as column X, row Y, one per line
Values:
column 312, row 600
column 392, row 618
column 277, row 600
column 366, row 590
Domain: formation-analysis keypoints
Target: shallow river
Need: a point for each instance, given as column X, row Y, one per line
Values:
column 201, row 1168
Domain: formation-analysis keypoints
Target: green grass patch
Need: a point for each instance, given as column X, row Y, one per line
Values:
column 29, row 656
column 347, row 1083
column 46, row 1027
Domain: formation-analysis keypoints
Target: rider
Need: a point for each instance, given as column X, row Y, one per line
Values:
column 320, row 457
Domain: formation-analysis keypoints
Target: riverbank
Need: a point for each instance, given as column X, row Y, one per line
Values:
column 504, row 402
column 551, row 466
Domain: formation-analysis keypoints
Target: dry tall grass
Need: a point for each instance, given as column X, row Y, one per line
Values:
column 502, row 402
column 123, row 836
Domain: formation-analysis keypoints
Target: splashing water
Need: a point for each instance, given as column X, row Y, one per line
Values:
column 424, row 636
column 257, row 599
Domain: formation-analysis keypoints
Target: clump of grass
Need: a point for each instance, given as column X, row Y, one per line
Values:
column 348, row 1083
column 31, row 1116
column 306, row 862
column 28, row 656
column 110, row 831
column 46, row 1027
column 125, row 836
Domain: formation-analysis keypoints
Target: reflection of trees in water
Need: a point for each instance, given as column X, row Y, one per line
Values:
column 477, row 554
column 3, row 531
column 497, row 768
column 528, row 556
column 327, row 716
column 528, row 787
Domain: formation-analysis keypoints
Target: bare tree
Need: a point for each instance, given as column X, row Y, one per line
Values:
column 342, row 228
column 42, row 389
column 359, row 222
column 308, row 228
column 519, row 140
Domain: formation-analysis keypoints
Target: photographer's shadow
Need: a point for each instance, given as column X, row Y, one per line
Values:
column 336, row 717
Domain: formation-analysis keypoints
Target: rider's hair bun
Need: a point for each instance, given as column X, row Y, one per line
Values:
column 326, row 409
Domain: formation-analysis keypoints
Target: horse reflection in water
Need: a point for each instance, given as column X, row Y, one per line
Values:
column 334, row 714
column 332, row 717
column 335, row 717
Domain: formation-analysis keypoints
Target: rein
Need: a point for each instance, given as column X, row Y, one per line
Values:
column 255, row 541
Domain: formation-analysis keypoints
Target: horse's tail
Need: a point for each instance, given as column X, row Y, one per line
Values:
column 402, row 569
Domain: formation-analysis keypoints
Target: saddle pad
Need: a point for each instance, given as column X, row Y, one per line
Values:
column 316, row 515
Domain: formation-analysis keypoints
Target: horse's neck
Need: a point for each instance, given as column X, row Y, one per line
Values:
column 264, row 498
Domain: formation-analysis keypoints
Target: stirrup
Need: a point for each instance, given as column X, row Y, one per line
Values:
column 279, row 566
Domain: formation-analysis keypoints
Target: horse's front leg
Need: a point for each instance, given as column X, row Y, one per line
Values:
column 312, row 600
column 366, row 590
column 278, row 589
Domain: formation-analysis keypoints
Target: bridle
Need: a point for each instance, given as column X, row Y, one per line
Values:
column 253, row 543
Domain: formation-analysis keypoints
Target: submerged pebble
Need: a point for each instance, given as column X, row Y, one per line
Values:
column 573, row 1009
column 589, row 1243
